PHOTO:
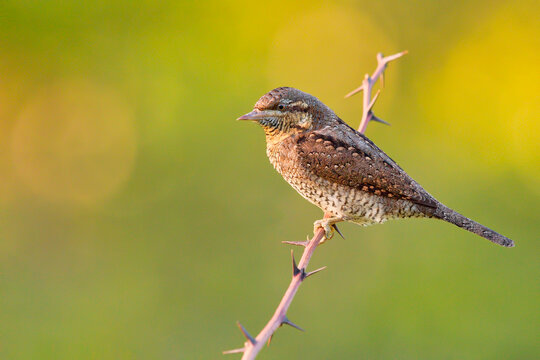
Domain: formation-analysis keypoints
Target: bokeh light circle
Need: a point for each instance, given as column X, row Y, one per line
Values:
column 327, row 51
column 74, row 142
column 487, row 89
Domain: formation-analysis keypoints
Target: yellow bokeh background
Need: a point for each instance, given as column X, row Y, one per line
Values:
column 500, row 45
column 74, row 142
column 139, row 220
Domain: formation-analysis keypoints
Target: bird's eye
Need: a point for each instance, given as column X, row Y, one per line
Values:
column 281, row 107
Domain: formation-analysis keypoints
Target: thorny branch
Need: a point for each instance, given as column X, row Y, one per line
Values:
column 367, row 87
column 253, row 345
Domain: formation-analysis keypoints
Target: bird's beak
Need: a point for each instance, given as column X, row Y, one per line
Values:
column 254, row 115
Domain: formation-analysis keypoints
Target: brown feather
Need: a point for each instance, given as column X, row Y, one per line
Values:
column 343, row 162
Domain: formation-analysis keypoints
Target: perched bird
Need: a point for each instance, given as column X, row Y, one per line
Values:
column 340, row 170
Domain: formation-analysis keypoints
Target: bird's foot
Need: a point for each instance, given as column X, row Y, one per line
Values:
column 328, row 224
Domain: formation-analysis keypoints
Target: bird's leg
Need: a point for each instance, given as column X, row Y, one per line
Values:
column 326, row 224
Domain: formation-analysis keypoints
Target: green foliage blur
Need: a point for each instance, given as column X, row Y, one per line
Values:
column 139, row 220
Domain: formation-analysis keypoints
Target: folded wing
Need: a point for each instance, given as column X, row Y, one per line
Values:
column 355, row 161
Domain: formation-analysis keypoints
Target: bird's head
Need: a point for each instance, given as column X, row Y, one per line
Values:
column 285, row 111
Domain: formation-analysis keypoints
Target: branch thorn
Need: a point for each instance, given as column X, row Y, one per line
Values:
column 355, row 91
column 290, row 323
column 295, row 268
column 246, row 334
column 296, row 243
column 314, row 272
column 234, row 351
column 370, row 106
column 336, row 228
column 395, row 56
column 375, row 118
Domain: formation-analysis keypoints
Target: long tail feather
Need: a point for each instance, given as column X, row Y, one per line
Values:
column 447, row 214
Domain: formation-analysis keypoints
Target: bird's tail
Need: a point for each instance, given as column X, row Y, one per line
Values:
column 444, row 213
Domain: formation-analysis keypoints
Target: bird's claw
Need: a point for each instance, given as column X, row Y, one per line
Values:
column 326, row 226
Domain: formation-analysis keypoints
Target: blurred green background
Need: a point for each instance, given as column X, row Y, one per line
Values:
column 139, row 220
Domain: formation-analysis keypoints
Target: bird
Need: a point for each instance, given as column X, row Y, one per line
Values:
column 340, row 170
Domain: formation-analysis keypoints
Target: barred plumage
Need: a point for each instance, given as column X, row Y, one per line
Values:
column 342, row 171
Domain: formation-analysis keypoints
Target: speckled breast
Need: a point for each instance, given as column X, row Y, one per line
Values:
column 350, row 203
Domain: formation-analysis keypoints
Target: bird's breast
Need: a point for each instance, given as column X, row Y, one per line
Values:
column 329, row 196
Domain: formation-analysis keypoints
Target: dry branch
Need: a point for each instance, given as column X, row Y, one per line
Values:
column 367, row 87
column 252, row 346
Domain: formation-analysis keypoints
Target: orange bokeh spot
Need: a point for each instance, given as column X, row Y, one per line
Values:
column 74, row 142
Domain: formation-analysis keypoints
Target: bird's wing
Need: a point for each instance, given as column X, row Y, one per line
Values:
column 353, row 160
